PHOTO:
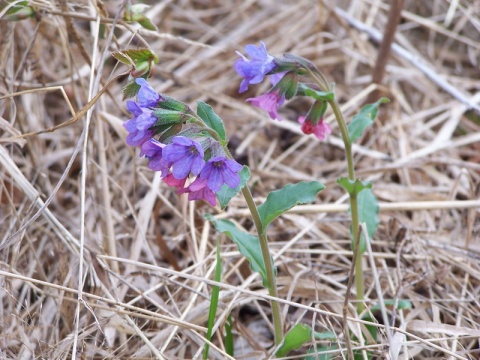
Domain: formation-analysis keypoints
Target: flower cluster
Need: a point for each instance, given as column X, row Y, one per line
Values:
column 180, row 156
column 284, row 78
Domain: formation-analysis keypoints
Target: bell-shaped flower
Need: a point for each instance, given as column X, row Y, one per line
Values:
column 185, row 155
column 253, row 70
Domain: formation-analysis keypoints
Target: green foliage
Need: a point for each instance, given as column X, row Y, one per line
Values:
column 213, row 301
column 229, row 345
column 367, row 206
column 17, row 10
column 319, row 95
column 136, row 13
column 353, row 187
column 364, row 119
column 142, row 61
column 248, row 245
column 212, row 120
column 299, row 335
column 279, row 201
column 227, row 193
column 322, row 353
column 368, row 214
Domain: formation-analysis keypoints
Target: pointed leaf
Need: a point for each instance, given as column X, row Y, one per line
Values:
column 320, row 95
column 367, row 213
column 364, row 119
column 353, row 187
column 227, row 193
column 279, row 201
column 130, row 90
column 211, row 119
column 299, row 335
column 248, row 245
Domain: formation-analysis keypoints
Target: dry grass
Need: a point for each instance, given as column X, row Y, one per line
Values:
column 81, row 193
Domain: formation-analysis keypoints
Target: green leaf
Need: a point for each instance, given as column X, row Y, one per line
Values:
column 248, row 245
column 320, row 95
column 214, row 301
column 227, row 193
column 322, row 353
column 130, row 90
column 279, row 201
column 299, row 335
column 401, row 304
column 229, row 343
column 146, row 23
column 364, row 119
column 211, row 119
column 367, row 213
column 353, row 187
column 16, row 10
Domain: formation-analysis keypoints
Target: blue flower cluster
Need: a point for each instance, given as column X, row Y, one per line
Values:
column 178, row 157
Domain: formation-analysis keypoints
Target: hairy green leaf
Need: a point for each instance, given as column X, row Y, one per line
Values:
column 212, row 120
column 364, row 119
column 279, row 201
column 248, row 245
column 299, row 335
column 368, row 214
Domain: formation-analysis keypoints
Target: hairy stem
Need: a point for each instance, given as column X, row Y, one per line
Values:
column 272, row 284
column 342, row 125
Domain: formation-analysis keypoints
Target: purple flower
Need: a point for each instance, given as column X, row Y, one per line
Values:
column 253, row 70
column 185, row 155
column 147, row 96
column 218, row 171
column 198, row 190
column 275, row 78
column 152, row 150
column 136, row 137
column 320, row 130
column 270, row 102
column 144, row 117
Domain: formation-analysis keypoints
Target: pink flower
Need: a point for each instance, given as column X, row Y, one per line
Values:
column 320, row 130
column 269, row 102
column 198, row 190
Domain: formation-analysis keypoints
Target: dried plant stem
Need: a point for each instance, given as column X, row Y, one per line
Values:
column 272, row 284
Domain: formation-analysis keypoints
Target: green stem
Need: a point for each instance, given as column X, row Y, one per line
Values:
column 342, row 125
column 272, row 284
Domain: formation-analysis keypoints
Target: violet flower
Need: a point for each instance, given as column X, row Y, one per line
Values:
column 253, row 70
column 153, row 151
column 199, row 191
column 270, row 102
column 147, row 96
column 218, row 170
column 185, row 155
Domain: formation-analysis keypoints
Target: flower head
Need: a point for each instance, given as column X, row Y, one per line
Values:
column 201, row 193
column 153, row 151
column 253, row 70
column 136, row 137
column 270, row 102
column 147, row 96
column 320, row 129
column 144, row 117
column 185, row 155
column 218, row 171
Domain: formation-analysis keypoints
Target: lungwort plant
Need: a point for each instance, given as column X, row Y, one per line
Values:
column 189, row 149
